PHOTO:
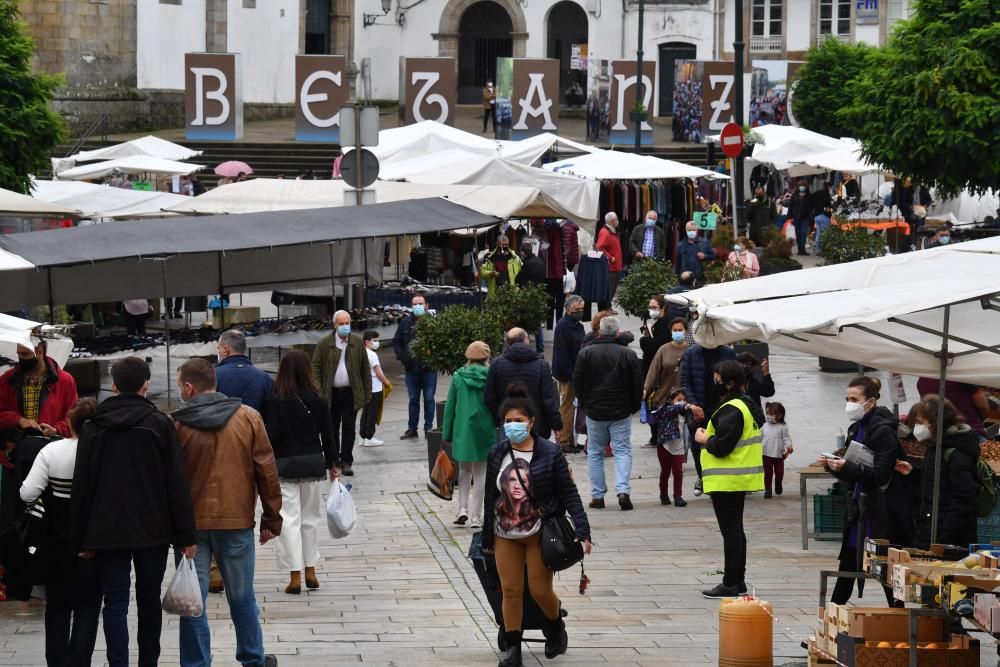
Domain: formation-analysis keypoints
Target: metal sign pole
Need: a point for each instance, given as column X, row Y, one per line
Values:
column 939, row 435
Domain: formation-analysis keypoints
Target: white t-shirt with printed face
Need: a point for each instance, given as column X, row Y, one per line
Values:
column 374, row 363
column 517, row 515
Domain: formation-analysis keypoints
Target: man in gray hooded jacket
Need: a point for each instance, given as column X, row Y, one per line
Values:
column 229, row 463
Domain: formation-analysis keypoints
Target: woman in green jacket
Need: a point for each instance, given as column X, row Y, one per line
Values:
column 469, row 427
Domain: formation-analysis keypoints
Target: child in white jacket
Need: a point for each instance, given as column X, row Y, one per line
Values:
column 777, row 446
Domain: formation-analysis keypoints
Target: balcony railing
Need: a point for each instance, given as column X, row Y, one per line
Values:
column 765, row 44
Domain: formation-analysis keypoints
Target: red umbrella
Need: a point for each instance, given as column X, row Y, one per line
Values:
column 233, row 168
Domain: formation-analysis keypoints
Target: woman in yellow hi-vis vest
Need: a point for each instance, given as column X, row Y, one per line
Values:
column 732, row 465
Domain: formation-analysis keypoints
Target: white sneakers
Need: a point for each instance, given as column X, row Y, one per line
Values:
column 371, row 442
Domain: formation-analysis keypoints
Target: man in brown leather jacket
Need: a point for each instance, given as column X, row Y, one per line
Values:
column 229, row 463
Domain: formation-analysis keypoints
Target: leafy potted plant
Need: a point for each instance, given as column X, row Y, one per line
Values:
column 715, row 271
column 638, row 113
column 842, row 243
column 723, row 239
column 644, row 280
column 777, row 257
column 515, row 306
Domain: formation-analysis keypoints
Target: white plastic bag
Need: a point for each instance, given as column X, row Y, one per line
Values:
column 183, row 596
column 569, row 283
column 341, row 514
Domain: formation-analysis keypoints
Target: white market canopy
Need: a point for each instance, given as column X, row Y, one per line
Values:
column 965, row 208
column 104, row 201
column 602, row 164
column 137, row 164
column 16, row 204
column 264, row 194
column 148, row 146
column 15, row 331
column 846, row 159
column 784, row 145
column 426, row 137
column 887, row 312
column 558, row 196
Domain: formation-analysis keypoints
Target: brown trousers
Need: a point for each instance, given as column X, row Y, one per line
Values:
column 568, row 411
column 511, row 557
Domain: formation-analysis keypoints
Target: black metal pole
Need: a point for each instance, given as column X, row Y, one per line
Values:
column 640, row 92
column 939, row 429
column 738, row 44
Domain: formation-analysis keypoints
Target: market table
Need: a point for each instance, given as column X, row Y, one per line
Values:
column 806, row 474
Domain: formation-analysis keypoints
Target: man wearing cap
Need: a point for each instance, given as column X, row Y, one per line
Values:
column 36, row 393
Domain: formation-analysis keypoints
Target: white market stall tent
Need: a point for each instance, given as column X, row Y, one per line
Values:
column 16, row 204
column 846, row 159
column 559, row 196
column 265, row 194
column 103, row 201
column 965, row 208
column 148, row 146
column 603, row 164
column 136, row 164
column 427, row 137
column 15, row 331
column 784, row 145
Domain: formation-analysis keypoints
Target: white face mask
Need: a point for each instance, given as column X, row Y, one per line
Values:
column 375, row 344
column 921, row 433
column 771, row 419
column 855, row 411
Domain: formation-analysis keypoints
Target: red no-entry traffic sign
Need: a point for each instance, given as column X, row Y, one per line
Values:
column 732, row 140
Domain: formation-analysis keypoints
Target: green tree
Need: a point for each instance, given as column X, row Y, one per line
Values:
column 819, row 85
column 29, row 128
column 928, row 104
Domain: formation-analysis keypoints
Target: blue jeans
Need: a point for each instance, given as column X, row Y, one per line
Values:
column 619, row 433
column 115, row 569
column 234, row 551
column 822, row 224
column 417, row 381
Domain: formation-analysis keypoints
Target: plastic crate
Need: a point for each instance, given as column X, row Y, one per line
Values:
column 988, row 529
column 828, row 517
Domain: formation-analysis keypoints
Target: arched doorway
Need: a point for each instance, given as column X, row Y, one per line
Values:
column 484, row 35
column 567, row 26
column 670, row 53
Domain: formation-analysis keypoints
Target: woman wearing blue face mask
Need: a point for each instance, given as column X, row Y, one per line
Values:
column 530, row 479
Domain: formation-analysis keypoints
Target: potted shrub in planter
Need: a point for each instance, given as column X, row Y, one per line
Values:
column 750, row 139
column 644, row 280
column 723, row 239
column 777, row 257
column 638, row 113
column 843, row 243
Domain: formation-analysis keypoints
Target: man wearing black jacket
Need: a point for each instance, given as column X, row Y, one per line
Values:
column 566, row 346
column 419, row 378
column 608, row 384
column 519, row 364
column 131, row 501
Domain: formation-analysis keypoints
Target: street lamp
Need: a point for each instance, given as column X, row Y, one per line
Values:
column 640, row 92
column 370, row 19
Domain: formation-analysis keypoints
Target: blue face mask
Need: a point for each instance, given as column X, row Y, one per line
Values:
column 419, row 310
column 678, row 336
column 516, row 432
column 944, row 240
column 692, row 234
column 650, row 222
column 344, row 330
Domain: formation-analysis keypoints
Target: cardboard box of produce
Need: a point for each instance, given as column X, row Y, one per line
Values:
column 987, row 611
column 893, row 625
column 961, row 651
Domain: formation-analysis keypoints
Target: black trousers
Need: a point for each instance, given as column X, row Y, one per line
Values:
column 728, row 506
column 72, row 614
column 368, row 415
column 844, row 587
column 488, row 117
column 135, row 324
column 344, row 416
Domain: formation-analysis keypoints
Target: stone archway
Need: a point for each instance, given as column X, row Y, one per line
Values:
column 567, row 25
column 449, row 32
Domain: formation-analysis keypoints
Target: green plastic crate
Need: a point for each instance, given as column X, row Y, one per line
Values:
column 828, row 517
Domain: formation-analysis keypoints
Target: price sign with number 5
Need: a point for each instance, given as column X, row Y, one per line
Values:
column 706, row 221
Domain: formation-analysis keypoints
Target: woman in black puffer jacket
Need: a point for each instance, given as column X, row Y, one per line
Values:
column 527, row 477
column 959, row 481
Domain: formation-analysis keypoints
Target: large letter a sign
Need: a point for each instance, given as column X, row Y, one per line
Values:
column 535, row 100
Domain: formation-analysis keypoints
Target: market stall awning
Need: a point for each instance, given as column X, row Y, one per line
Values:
column 137, row 164
column 602, row 164
column 427, row 137
column 846, row 159
column 966, row 207
column 886, row 312
column 103, row 201
column 785, row 145
column 15, row 331
column 559, row 196
column 263, row 194
column 211, row 254
column 16, row 204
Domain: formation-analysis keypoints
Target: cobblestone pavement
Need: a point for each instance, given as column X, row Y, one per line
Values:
column 400, row 591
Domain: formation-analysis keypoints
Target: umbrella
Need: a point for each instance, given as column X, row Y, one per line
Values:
column 233, row 168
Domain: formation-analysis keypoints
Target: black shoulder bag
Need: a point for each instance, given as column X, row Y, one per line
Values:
column 303, row 466
column 560, row 549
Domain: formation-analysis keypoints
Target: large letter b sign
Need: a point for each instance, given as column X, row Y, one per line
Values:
column 213, row 96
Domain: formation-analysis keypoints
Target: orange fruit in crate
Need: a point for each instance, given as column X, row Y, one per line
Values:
column 933, row 645
column 884, row 645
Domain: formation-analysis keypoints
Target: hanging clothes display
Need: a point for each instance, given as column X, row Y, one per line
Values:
column 593, row 278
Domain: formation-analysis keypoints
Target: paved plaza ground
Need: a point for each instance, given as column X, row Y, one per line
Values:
column 400, row 591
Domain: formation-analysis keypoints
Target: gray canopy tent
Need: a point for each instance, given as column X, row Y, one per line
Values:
column 208, row 254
